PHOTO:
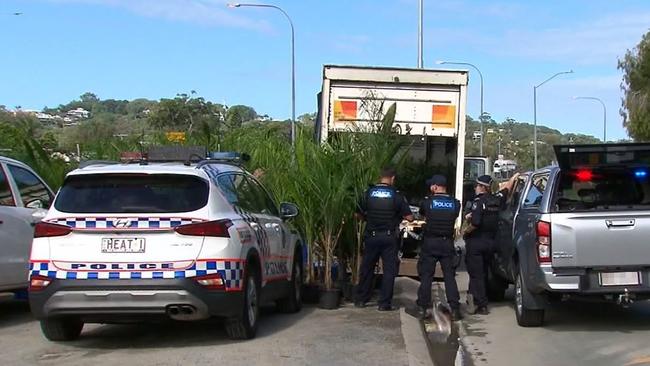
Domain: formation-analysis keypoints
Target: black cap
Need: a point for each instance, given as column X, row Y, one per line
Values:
column 484, row 180
column 437, row 180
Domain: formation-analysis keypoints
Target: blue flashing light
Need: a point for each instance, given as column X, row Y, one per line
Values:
column 641, row 173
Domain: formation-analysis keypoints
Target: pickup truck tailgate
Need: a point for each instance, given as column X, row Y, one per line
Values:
column 600, row 239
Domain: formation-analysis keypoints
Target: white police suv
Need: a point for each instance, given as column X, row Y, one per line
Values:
column 186, row 241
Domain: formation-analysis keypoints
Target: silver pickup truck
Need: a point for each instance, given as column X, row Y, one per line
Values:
column 24, row 198
column 579, row 230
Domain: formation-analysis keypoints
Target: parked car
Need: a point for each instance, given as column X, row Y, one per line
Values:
column 577, row 231
column 170, row 240
column 24, row 197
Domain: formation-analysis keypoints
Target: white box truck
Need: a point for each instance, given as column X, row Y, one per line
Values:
column 430, row 108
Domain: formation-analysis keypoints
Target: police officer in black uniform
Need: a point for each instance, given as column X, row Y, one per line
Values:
column 480, row 237
column 383, row 208
column 440, row 212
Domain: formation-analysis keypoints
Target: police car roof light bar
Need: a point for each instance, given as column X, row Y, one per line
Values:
column 225, row 157
column 171, row 154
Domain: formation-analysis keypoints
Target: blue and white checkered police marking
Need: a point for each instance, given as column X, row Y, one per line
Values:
column 124, row 223
column 231, row 272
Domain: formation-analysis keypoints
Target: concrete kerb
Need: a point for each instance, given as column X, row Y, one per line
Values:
column 414, row 336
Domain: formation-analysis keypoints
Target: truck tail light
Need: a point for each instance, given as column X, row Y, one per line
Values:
column 37, row 283
column 544, row 242
column 47, row 230
column 211, row 282
column 217, row 228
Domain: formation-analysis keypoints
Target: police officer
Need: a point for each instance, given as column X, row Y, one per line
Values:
column 440, row 212
column 480, row 237
column 383, row 208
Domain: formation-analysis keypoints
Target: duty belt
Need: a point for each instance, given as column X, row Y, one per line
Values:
column 435, row 236
column 377, row 232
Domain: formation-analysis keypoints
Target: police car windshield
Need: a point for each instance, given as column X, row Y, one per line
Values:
column 132, row 193
column 615, row 188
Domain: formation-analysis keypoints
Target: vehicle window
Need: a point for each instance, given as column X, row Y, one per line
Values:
column 516, row 193
column 265, row 202
column 247, row 199
column 6, row 198
column 30, row 187
column 132, row 193
column 536, row 191
column 603, row 188
column 227, row 188
column 474, row 168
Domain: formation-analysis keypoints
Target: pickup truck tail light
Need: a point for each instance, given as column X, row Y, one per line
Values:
column 217, row 228
column 544, row 242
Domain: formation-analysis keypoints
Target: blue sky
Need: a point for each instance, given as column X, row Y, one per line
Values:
column 125, row 49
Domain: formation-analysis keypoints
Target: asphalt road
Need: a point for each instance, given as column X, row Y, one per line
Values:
column 347, row 336
column 574, row 334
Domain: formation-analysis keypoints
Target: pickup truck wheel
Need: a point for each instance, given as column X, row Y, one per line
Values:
column 293, row 302
column 525, row 317
column 61, row 329
column 244, row 326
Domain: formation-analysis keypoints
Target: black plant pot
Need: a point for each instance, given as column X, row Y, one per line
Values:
column 329, row 299
column 310, row 293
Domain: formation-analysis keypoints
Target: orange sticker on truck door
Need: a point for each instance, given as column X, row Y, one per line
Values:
column 444, row 116
column 345, row 110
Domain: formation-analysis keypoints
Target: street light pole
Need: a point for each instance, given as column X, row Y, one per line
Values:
column 604, row 114
column 535, row 109
column 480, row 74
column 293, row 63
column 420, row 35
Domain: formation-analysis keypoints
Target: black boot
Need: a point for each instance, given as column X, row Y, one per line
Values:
column 482, row 310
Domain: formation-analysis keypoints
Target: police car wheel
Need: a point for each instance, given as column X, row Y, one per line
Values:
column 61, row 329
column 244, row 326
column 293, row 302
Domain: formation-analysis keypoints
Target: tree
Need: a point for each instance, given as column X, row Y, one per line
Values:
column 307, row 119
column 89, row 98
column 635, row 107
column 240, row 114
column 137, row 107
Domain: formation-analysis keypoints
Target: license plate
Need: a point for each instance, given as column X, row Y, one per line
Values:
column 123, row 245
column 619, row 279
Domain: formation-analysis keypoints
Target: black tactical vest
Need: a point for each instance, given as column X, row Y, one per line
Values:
column 381, row 208
column 491, row 213
column 441, row 213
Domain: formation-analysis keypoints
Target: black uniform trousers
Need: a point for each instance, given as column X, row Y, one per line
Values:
column 433, row 250
column 478, row 254
column 383, row 246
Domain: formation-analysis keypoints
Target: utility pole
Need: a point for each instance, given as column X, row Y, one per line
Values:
column 420, row 35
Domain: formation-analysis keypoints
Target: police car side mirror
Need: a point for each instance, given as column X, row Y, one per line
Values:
column 288, row 211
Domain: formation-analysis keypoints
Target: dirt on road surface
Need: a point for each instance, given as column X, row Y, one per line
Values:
column 347, row 336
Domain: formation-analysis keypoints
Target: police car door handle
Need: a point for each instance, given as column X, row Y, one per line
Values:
column 255, row 226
